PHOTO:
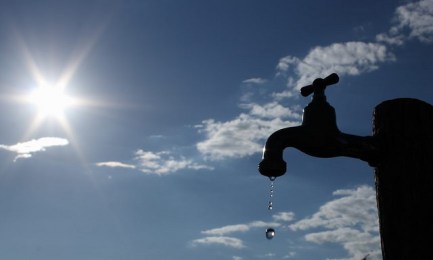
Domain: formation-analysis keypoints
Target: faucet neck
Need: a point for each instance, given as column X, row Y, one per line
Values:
column 319, row 98
column 319, row 94
column 319, row 115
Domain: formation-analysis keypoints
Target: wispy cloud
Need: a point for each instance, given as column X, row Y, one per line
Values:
column 160, row 163
column 227, row 229
column 219, row 234
column 355, row 207
column 220, row 240
column 26, row 149
column 165, row 162
column 346, row 58
column 239, row 137
column 284, row 216
column 411, row 21
column 272, row 110
column 257, row 81
column 114, row 164
column 221, row 231
column 244, row 135
column 350, row 220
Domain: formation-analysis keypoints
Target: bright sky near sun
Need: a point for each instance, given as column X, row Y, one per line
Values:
column 133, row 129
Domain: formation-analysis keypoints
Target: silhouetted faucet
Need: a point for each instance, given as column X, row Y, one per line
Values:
column 318, row 135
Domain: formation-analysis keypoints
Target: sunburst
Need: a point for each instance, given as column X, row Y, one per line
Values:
column 51, row 101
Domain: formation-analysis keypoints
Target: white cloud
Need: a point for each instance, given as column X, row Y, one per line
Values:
column 272, row 110
column 268, row 255
column 219, row 235
column 284, row 216
column 257, row 81
column 114, row 164
column 350, row 221
column 220, row 240
column 413, row 20
column 263, row 224
column 390, row 39
column 418, row 18
column 159, row 163
column 286, row 62
column 221, row 231
column 244, row 135
column 164, row 162
column 26, row 149
column 289, row 255
column 347, row 58
column 357, row 243
column 356, row 207
column 239, row 137
column 226, row 230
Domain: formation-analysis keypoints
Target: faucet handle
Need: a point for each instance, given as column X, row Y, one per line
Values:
column 320, row 84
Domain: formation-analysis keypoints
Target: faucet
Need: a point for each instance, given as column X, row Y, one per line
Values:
column 318, row 135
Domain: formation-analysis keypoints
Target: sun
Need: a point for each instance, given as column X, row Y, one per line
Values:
column 51, row 101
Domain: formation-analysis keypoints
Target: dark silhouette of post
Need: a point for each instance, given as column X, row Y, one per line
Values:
column 404, row 178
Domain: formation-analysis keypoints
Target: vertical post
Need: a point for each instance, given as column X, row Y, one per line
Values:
column 404, row 178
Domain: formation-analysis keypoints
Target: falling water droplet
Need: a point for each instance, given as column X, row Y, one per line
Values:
column 270, row 233
column 271, row 193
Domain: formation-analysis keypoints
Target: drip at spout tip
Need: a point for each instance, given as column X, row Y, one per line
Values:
column 272, row 168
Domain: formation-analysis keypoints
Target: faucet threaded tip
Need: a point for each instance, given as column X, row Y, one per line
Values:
column 272, row 168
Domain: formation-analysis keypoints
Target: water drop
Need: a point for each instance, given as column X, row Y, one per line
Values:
column 272, row 178
column 270, row 233
column 271, row 194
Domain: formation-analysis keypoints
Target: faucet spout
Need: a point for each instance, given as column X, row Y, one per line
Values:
column 316, row 144
column 318, row 135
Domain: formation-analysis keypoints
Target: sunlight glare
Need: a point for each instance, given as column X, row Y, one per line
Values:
column 50, row 100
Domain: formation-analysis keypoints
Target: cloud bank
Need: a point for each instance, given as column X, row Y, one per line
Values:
column 26, row 149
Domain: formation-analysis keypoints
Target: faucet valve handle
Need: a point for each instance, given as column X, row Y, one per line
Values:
column 320, row 84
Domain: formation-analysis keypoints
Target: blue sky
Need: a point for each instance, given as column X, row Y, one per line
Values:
column 151, row 150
